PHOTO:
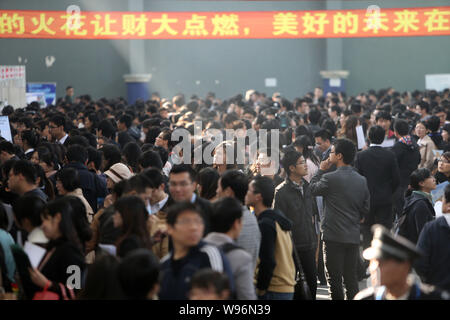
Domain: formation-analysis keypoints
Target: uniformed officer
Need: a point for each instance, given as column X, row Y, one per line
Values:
column 391, row 259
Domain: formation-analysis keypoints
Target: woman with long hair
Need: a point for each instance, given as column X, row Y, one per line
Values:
column 64, row 250
column 418, row 203
column 304, row 145
column 131, row 216
column 348, row 130
column 207, row 180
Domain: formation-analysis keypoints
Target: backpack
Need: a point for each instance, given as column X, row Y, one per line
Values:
column 400, row 226
column 229, row 246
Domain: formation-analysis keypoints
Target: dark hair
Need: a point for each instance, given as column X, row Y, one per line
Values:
column 7, row 146
column 447, row 193
column 31, row 138
column 101, row 280
column 209, row 279
column 26, row 169
column 376, row 134
column 314, row 116
column 30, row 207
column 383, row 115
column 150, row 158
column 155, row 175
column 79, row 219
column 424, row 105
column 77, row 153
column 337, row 109
column 112, row 155
column 208, row 179
column 80, row 140
column 323, row 134
column 181, row 168
column 134, row 216
column 433, row 123
column 44, row 182
column 290, row 159
column 132, row 153
column 59, row 120
column 4, row 220
column 355, row 107
column 225, row 212
column 417, row 176
column 237, row 181
column 66, row 226
column 266, row 188
column 138, row 183
column 138, row 273
column 178, row 208
column 347, row 148
column 69, row 178
column 107, row 128
column 126, row 120
column 95, row 156
column 401, row 127
column 306, row 144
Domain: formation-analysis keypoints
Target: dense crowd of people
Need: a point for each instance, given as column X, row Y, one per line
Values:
column 98, row 201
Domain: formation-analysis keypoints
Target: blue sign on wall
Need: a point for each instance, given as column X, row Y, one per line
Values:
column 48, row 88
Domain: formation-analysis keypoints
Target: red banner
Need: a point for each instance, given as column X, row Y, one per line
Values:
column 401, row 22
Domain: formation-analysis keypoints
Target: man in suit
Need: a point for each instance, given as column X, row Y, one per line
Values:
column 182, row 187
column 347, row 202
column 57, row 127
column 379, row 166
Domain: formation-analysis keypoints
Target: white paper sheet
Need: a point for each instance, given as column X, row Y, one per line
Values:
column 360, row 135
column 35, row 253
column 387, row 143
column 111, row 249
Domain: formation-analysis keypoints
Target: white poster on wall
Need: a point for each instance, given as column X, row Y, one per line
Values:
column 437, row 82
column 5, row 129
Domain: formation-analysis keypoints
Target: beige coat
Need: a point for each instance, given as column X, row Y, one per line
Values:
column 79, row 194
column 426, row 146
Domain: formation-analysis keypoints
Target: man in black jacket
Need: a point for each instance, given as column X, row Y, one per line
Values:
column 182, row 187
column 379, row 166
column 407, row 153
column 294, row 199
column 93, row 187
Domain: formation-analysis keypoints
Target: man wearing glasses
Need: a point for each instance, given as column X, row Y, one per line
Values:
column 293, row 197
column 57, row 126
column 182, row 186
column 189, row 254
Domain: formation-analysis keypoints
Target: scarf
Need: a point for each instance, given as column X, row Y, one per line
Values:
column 406, row 140
column 426, row 195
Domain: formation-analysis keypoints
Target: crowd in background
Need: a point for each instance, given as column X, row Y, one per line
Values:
column 97, row 184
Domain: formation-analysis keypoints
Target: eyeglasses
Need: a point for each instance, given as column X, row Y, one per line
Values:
column 52, row 127
column 443, row 160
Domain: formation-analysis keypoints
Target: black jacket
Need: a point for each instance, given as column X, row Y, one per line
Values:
column 408, row 159
column 274, row 239
column 55, row 269
column 93, row 187
column 419, row 211
column 300, row 209
column 379, row 166
column 434, row 265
